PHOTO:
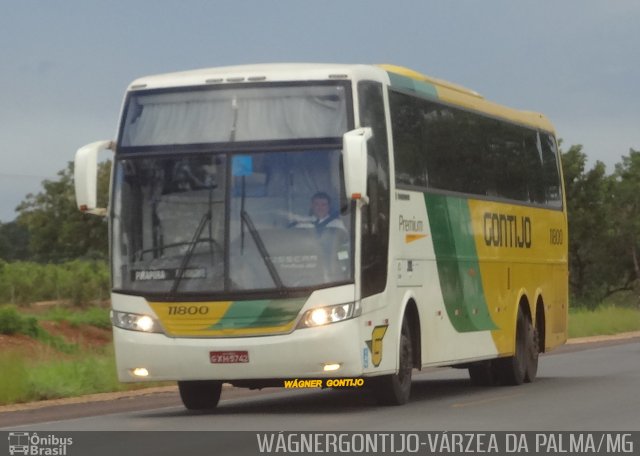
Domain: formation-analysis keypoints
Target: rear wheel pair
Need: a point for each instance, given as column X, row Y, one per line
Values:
column 513, row 370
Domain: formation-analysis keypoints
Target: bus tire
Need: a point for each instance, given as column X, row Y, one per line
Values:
column 532, row 354
column 483, row 373
column 513, row 369
column 395, row 389
column 200, row 394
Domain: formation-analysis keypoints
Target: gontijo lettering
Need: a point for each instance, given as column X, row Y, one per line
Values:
column 327, row 383
column 501, row 230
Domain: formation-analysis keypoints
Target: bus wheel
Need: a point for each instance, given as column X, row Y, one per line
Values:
column 532, row 353
column 483, row 373
column 200, row 394
column 514, row 369
column 395, row 389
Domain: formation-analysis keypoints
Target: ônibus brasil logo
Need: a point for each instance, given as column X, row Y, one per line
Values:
column 32, row 444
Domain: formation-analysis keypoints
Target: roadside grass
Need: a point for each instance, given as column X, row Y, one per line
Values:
column 93, row 316
column 13, row 385
column 85, row 374
column 604, row 320
column 25, row 378
column 56, row 368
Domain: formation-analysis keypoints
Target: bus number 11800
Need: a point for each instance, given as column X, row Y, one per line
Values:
column 556, row 236
column 188, row 310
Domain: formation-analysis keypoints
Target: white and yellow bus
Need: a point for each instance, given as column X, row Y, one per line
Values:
column 308, row 221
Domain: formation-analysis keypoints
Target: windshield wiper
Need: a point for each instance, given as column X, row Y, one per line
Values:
column 192, row 246
column 273, row 272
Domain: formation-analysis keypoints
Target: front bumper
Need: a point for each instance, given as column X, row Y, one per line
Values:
column 300, row 354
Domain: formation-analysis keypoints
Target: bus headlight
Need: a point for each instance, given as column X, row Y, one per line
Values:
column 325, row 315
column 135, row 322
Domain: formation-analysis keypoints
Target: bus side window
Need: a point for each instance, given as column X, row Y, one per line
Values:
column 551, row 172
column 375, row 215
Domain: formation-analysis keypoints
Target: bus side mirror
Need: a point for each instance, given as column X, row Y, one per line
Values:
column 354, row 162
column 85, row 176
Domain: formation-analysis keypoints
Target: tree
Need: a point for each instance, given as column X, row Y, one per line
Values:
column 58, row 230
column 593, row 268
column 627, row 215
column 604, row 226
column 14, row 242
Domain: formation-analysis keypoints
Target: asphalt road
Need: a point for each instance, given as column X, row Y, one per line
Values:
column 586, row 387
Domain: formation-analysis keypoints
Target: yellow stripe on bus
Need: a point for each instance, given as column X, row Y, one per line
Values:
column 517, row 258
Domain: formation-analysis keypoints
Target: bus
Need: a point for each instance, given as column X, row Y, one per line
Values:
column 443, row 239
column 18, row 443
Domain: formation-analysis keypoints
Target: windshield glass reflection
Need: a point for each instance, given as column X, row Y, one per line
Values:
column 231, row 223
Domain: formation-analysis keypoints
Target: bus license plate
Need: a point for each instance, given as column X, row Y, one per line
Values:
column 228, row 357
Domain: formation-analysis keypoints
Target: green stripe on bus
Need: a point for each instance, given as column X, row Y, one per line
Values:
column 457, row 262
column 260, row 313
column 403, row 82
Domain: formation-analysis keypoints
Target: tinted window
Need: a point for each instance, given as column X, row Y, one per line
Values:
column 445, row 148
column 408, row 141
column 375, row 216
column 551, row 173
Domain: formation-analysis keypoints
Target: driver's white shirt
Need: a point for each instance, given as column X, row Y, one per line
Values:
column 312, row 222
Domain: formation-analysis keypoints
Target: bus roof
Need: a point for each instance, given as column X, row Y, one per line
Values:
column 395, row 76
column 261, row 72
column 407, row 79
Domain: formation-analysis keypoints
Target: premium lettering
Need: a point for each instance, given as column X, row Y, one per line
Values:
column 410, row 224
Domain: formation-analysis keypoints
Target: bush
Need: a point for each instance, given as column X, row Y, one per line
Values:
column 78, row 281
column 93, row 316
column 12, row 322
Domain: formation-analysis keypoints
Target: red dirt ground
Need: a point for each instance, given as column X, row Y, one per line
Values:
column 85, row 336
column 23, row 344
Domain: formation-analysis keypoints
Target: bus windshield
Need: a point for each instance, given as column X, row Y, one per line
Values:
column 209, row 223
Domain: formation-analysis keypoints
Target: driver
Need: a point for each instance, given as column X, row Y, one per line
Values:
column 321, row 216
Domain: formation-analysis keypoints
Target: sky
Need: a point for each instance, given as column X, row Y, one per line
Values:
column 64, row 65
